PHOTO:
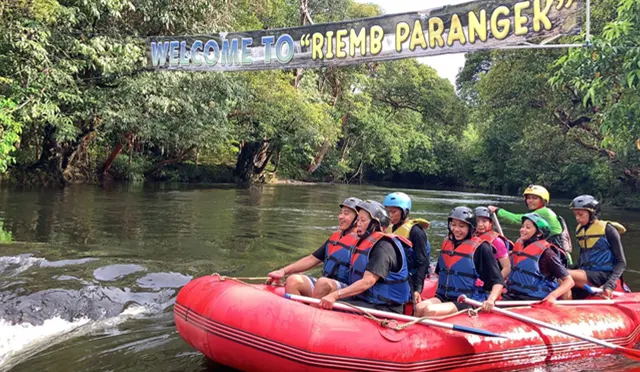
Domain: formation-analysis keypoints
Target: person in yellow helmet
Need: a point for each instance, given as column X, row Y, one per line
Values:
column 537, row 198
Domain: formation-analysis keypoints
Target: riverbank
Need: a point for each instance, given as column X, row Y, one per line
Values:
column 221, row 174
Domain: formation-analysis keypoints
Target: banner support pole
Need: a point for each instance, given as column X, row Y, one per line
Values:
column 588, row 37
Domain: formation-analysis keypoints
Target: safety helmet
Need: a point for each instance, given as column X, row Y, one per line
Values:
column 537, row 190
column 351, row 203
column 465, row 215
column 399, row 200
column 376, row 211
column 540, row 223
column 586, row 202
column 482, row 212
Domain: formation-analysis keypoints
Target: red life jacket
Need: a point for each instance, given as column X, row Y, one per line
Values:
column 337, row 258
column 491, row 236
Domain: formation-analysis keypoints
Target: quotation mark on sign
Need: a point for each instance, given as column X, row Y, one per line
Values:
column 566, row 5
column 305, row 40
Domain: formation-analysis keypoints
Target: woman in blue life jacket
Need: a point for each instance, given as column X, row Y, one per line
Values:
column 379, row 274
column 466, row 266
column 537, row 272
column 335, row 253
column 602, row 260
column 398, row 205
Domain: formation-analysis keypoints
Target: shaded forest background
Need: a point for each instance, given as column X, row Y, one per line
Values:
column 78, row 105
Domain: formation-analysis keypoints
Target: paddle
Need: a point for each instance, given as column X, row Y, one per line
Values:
column 388, row 315
column 494, row 217
column 562, row 303
column 632, row 353
column 596, row 290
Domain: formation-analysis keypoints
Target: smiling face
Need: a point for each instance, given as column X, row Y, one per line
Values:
column 527, row 230
column 483, row 224
column 459, row 229
column 364, row 218
column 533, row 202
column 582, row 216
column 345, row 218
column 395, row 214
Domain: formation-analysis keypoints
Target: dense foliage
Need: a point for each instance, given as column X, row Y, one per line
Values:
column 78, row 105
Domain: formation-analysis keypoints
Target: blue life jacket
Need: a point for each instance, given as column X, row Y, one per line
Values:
column 595, row 250
column 525, row 277
column 458, row 274
column 337, row 258
column 392, row 290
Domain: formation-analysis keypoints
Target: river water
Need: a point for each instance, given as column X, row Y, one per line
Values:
column 88, row 275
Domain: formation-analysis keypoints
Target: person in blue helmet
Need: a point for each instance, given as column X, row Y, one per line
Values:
column 398, row 205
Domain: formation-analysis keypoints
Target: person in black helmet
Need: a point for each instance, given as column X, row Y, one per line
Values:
column 379, row 271
column 602, row 260
column 335, row 253
column 466, row 266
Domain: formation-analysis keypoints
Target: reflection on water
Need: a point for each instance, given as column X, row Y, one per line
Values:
column 88, row 276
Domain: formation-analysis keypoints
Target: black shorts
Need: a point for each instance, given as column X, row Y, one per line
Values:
column 516, row 296
column 459, row 305
column 398, row 309
column 597, row 278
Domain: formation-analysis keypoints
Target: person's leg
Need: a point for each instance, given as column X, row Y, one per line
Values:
column 580, row 279
column 324, row 286
column 441, row 309
column 301, row 285
column 420, row 307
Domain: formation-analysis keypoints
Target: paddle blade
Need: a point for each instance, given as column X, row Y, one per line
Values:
column 476, row 331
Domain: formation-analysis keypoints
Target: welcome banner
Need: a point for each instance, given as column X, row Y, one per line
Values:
column 478, row 25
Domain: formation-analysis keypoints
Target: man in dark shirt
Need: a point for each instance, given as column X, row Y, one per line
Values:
column 384, row 263
column 343, row 239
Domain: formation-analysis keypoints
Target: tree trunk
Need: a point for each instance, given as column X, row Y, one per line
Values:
column 114, row 154
column 317, row 160
column 75, row 165
column 252, row 160
column 304, row 20
column 163, row 163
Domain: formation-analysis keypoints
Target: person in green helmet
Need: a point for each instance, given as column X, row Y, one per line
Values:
column 537, row 198
column 536, row 270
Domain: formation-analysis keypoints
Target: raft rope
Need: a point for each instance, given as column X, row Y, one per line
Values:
column 240, row 279
column 386, row 323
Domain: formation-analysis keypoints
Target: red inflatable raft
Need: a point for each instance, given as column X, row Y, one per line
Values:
column 254, row 328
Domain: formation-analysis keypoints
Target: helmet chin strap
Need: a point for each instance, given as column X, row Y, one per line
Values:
column 354, row 222
column 592, row 216
column 371, row 227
